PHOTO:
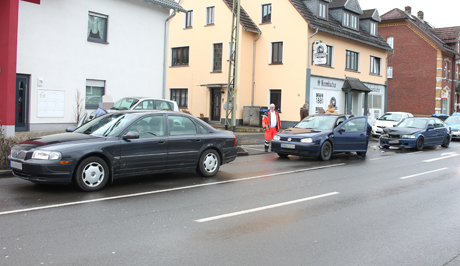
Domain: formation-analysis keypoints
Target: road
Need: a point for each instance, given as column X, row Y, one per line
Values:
column 392, row 208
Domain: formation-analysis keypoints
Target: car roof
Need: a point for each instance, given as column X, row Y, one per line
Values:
column 147, row 98
column 397, row 113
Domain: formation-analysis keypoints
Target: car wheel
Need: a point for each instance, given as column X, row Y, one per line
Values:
column 326, row 151
column 446, row 142
column 209, row 163
column 419, row 144
column 92, row 174
column 362, row 153
column 282, row 155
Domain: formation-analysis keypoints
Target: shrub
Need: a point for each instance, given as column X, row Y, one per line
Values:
column 6, row 143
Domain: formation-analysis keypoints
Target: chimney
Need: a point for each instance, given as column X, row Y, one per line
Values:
column 420, row 15
column 408, row 9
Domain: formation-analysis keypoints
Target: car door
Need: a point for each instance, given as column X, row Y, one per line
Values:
column 441, row 131
column 431, row 134
column 351, row 135
column 149, row 152
column 185, row 142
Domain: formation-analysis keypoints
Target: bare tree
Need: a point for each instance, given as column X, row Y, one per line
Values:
column 79, row 109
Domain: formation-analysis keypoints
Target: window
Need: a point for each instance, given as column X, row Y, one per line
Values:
column 275, row 97
column 97, row 28
column 350, row 21
column 390, row 41
column 390, row 72
column 446, row 68
column 322, row 11
column 375, row 65
column 374, row 101
column 373, row 28
column 267, row 13
column 179, row 56
column 217, row 58
column 181, row 125
column 180, row 96
column 329, row 57
column 149, row 127
column 277, row 53
column 145, row 105
column 210, row 15
column 189, row 19
column 352, row 61
column 229, row 50
column 95, row 89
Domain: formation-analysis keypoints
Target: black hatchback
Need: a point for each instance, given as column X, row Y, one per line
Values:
column 124, row 144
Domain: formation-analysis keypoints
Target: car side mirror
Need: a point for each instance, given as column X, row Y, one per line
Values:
column 341, row 130
column 430, row 127
column 70, row 129
column 131, row 135
column 394, row 125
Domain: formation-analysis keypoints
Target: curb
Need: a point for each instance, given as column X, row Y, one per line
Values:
column 242, row 152
column 5, row 173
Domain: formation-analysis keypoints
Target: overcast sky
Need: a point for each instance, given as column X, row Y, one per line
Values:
column 440, row 13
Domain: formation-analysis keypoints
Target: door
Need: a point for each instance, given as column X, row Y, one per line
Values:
column 215, row 104
column 22, row 103
column 351, row 135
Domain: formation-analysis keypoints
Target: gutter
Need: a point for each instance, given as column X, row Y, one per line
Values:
column 254, row 67
column 165, row 52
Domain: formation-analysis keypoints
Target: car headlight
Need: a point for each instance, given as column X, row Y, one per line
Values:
column 385, row 136
column 276, row 137
column 408, row 136
column 306, row 140
column 46, row 155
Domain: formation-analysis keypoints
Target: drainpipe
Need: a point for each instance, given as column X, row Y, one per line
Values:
column 165, row 67
column 385, row 107
column 307, row 89
column 254, row 67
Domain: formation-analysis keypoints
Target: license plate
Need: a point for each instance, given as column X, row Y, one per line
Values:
column 287, row 146
column 16, row 165
column 393, row 141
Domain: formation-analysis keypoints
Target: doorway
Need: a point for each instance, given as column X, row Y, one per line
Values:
column 22, row 103
column 216, row 94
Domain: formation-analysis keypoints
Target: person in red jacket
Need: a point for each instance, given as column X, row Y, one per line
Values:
column 271, row 123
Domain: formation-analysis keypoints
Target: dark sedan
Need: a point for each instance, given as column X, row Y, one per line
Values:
column 125, row 144
column 416, row 133
column 322, row 135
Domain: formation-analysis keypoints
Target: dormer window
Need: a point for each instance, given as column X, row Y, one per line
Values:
column 373, row 28
column 350, row 21
column 322, row 11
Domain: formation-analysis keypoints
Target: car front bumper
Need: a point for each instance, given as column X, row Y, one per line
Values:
column 295, row 148
column 455, row 134
column 398, row 143
column 42, row 171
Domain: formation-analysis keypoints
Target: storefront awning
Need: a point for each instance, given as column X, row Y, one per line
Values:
column 214, row 85
column 354, row 84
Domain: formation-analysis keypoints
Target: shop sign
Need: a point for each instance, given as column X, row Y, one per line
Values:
column 320, row 54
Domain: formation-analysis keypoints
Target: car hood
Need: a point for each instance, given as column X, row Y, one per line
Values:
column 401, row 130
column 301, row 132
column 55, row 139
column 453, row 126
column 383, row 123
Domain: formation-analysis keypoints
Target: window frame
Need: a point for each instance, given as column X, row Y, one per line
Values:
column 98, row 40
column 181, row 101
column 350, row 21
column 389, row 72
column 347, row 63
column 323, row 11
column 213, row 69
column 390, row 41
column 279, row 58
column 373, row 29
column 181, row 59
column 278, row 105
column 330, row 57
column 210, row 18
column 375, row 65
column 93, row 83
column 188, row 23
column 266, row 17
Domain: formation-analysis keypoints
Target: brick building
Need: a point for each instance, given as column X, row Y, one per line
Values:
column 423, row 70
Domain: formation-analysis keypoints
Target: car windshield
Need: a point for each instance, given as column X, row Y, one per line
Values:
column 453, row 120
column 124, row 104
column 321, row 122
column 413, row 123
column 96, row 123
column 390, row 117
column 114, row 126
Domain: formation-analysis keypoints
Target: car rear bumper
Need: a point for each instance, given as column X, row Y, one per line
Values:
column 49, row 172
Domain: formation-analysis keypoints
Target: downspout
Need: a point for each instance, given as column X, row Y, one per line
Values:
column 307, row 89
column 166, row 35
column 451, row 95
column 385, row 107
column 254, row 67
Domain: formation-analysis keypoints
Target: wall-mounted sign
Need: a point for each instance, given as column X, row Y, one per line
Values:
column 50, row 103
column 320, row 54
column 444, row 94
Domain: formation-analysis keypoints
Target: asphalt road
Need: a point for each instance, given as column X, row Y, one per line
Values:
column 392, row 208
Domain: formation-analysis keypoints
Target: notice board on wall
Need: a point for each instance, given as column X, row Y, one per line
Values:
column 50, row 103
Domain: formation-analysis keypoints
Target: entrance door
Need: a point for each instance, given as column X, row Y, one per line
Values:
column 215, row 104
column 22, row 103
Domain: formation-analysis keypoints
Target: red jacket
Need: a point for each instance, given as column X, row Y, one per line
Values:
column 266, row 121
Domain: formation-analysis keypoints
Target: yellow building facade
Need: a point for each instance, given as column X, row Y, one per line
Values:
column 277, row 41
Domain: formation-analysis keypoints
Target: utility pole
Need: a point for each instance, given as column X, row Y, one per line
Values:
column 233, row 67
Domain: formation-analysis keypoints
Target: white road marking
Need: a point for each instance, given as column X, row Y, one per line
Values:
column 440, row 158
column 385, row 157
column 424, row 173
column 165, row 190
column 447, row 153
column 264, row 208
column 416, row 152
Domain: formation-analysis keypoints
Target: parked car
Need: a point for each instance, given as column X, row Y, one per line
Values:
column 134, row 143
column 416, row 133
column 144, row 103
column 388, row 119
column 322, row 135
column 454, row 123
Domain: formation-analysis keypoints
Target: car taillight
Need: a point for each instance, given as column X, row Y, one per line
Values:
column 234, row 140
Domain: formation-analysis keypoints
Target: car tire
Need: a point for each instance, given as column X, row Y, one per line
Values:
column 446, row 142
column 209, row 163
column 282, row 155
column 92, row 174
column 325, row 152
column 419, row 144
